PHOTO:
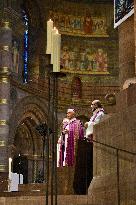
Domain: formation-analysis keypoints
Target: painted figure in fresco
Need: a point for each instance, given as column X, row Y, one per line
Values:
column 62, row 21
column 88, row 23
column 101, row 60
column 82, row 57
column 100, row 27
column 72, row 59
column 72, row 130
column 98, row 114
column 77, row 23
column 65, row 57
column 78, row 64
column 67, row 22
column 86, row 60
column 91, row 61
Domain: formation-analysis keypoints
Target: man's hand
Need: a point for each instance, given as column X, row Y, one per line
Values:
column 65, row 131
column 86, row 125
column 59, row 141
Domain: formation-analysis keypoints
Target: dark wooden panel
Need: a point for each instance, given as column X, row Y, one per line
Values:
column 84, row 167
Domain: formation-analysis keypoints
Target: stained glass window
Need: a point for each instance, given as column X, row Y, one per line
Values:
column 122, row 10
column 25, row 54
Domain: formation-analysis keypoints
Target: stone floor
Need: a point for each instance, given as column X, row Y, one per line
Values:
column 37, row 199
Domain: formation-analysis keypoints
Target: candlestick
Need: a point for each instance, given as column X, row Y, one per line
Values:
column 52, row 41
column 49, row 31
column 10, row 162
column 56, row 50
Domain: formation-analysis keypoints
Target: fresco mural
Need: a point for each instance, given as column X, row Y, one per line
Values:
column 84, row 60
column 122, row 10
column 87, row 26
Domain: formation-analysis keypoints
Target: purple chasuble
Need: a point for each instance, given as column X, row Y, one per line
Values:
column 75, row 132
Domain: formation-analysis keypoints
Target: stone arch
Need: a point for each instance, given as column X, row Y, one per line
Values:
column 29, row 111
column 24, row 139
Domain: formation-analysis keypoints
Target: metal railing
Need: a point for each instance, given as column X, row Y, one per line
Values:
column 118, row 168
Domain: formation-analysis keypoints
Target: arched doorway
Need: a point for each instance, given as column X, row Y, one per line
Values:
column 26, row 142
column 24, row 148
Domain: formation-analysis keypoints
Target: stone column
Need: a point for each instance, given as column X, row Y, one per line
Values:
column 5, row 67
column 35, row 166
column 126, row 50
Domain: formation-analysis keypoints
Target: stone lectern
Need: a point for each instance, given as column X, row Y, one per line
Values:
column 76, row 179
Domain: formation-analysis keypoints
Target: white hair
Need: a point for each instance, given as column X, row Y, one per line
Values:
column 71, row 110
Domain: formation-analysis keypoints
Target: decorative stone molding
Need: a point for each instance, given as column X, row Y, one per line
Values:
column 110, row 99
column 3, row 101
column 3, row 122
column 6, row 48
column 6, row 24
column 13, row 20
column 4, row 79
column 2, row 143
column 3, row 167
column 4, row 70
column 129, row 82
column 28, row 107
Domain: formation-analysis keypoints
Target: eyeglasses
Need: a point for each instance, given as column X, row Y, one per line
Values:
column 92, row 104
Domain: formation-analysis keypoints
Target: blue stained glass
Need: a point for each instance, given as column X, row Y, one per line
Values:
column 122, row 10
column 25, row 71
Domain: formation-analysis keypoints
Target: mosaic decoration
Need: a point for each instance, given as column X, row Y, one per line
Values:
column 122, row 10
column 87, row 26
column 84, row 60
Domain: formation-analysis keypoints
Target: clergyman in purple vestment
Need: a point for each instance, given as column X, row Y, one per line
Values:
column 72, row 131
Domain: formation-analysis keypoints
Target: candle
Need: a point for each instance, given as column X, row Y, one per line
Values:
column 10, row 162
column 56, row 50
column 52, row 47
column 49, row 31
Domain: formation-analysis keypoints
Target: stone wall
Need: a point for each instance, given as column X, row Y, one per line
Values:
column 135, row 32
column 115, row 150
column 126, row 50
column 91, row 83
column 115, row 164
column 94, row 84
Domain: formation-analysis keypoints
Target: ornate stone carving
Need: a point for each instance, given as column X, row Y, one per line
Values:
column 110, row 99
